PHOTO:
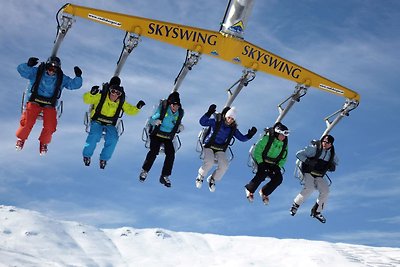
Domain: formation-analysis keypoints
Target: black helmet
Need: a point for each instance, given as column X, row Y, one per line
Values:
column 115, row 81
column 54, row 62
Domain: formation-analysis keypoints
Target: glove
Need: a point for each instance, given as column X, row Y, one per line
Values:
column 95, row 90
column 32, row 61
column 211, row 110
column 78, row 71
column 140, row 104
column 310, row 163
column 157, row 122
column 251, row 132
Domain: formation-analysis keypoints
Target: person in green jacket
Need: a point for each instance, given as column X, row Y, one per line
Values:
column 108, row 106
column 270, row 154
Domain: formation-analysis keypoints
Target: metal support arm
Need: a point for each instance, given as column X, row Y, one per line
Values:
column 191, row 59
column 62, row 30
column 299, row 91
column 348, row 106
column 131, row 41
column 248, row 76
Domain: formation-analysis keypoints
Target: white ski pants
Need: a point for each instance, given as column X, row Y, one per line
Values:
column 310, row 184
column 209, row 160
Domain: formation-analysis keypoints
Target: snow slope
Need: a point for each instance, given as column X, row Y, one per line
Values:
column 28, row 238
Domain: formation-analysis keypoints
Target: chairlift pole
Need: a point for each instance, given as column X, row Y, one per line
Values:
column 348, row 106
column 248, row 76
column 191, row 59
column 131, row 41
column 300, row 91
column 62, row 30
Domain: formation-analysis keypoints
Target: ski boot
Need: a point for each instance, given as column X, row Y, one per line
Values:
column 199, row 181
column 249, row 195
column 42, row 149
column 264, row 198
column 317, row 215
column 211, row 183
column 86, row 160
column 103, row 164
column 143, row 176
column 293, row 209
column 165, row 181
column 20, row 144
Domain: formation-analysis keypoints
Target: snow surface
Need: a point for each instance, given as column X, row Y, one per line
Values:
column 27, row 238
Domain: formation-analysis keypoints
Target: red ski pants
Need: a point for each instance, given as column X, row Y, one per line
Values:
column 28, row 120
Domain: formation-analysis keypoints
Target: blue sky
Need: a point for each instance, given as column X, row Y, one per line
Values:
column 354, row 43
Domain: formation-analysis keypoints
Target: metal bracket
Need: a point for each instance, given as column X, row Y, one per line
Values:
column 62, row 30
column 348, row 106
column 191, row 59
column 247, row 76
column 131, row 41
column 299, row 91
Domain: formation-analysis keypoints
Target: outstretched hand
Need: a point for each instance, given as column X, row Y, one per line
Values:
column 140, row 104
column 211, row 109
column 78, row 71
column 251, row 132
column 95, row 90
column 32, row 61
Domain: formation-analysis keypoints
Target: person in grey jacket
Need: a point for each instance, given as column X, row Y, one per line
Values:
column 314, row 161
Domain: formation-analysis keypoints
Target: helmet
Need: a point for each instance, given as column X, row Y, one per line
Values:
column 281, row 129
column 53, row 61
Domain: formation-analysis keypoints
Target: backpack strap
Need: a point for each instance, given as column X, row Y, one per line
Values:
column 282, row 154
column 97, row 116
column 211, row 142
column 41, row 100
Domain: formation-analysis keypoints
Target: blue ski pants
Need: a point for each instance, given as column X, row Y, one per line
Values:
column 110, row 140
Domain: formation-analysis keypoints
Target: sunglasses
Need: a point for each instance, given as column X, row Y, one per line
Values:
column 326, row 142
column 115, row 92
column 284, row 132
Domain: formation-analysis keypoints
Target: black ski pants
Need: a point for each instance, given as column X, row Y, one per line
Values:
column 155, row 143
column 265, row 170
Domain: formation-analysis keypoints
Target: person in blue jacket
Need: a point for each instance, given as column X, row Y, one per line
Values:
column 222, row 130
column 166, row 123
column 46, row 84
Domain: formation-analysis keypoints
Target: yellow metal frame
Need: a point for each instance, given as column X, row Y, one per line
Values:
column 215, row 44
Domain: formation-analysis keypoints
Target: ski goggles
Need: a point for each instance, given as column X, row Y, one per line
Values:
column 116, row 92
column 284, row 132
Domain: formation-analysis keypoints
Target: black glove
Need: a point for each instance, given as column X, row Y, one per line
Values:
column 78, row 71
column 32, row 61
column 311, row 163
column 251, row 132
column 211, row 110
column 95, row 90
column 140, row 104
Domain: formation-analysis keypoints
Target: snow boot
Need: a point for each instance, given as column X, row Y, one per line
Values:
column 211, row 183
column 249, row 195
column 42, row 149
column 317, row 215
column 103, row 164
column 165, row 181
column 86, row 160
column 143, row 176
column 293, row 209
column 264, row 198
column 20, row 144
column 199, row 181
